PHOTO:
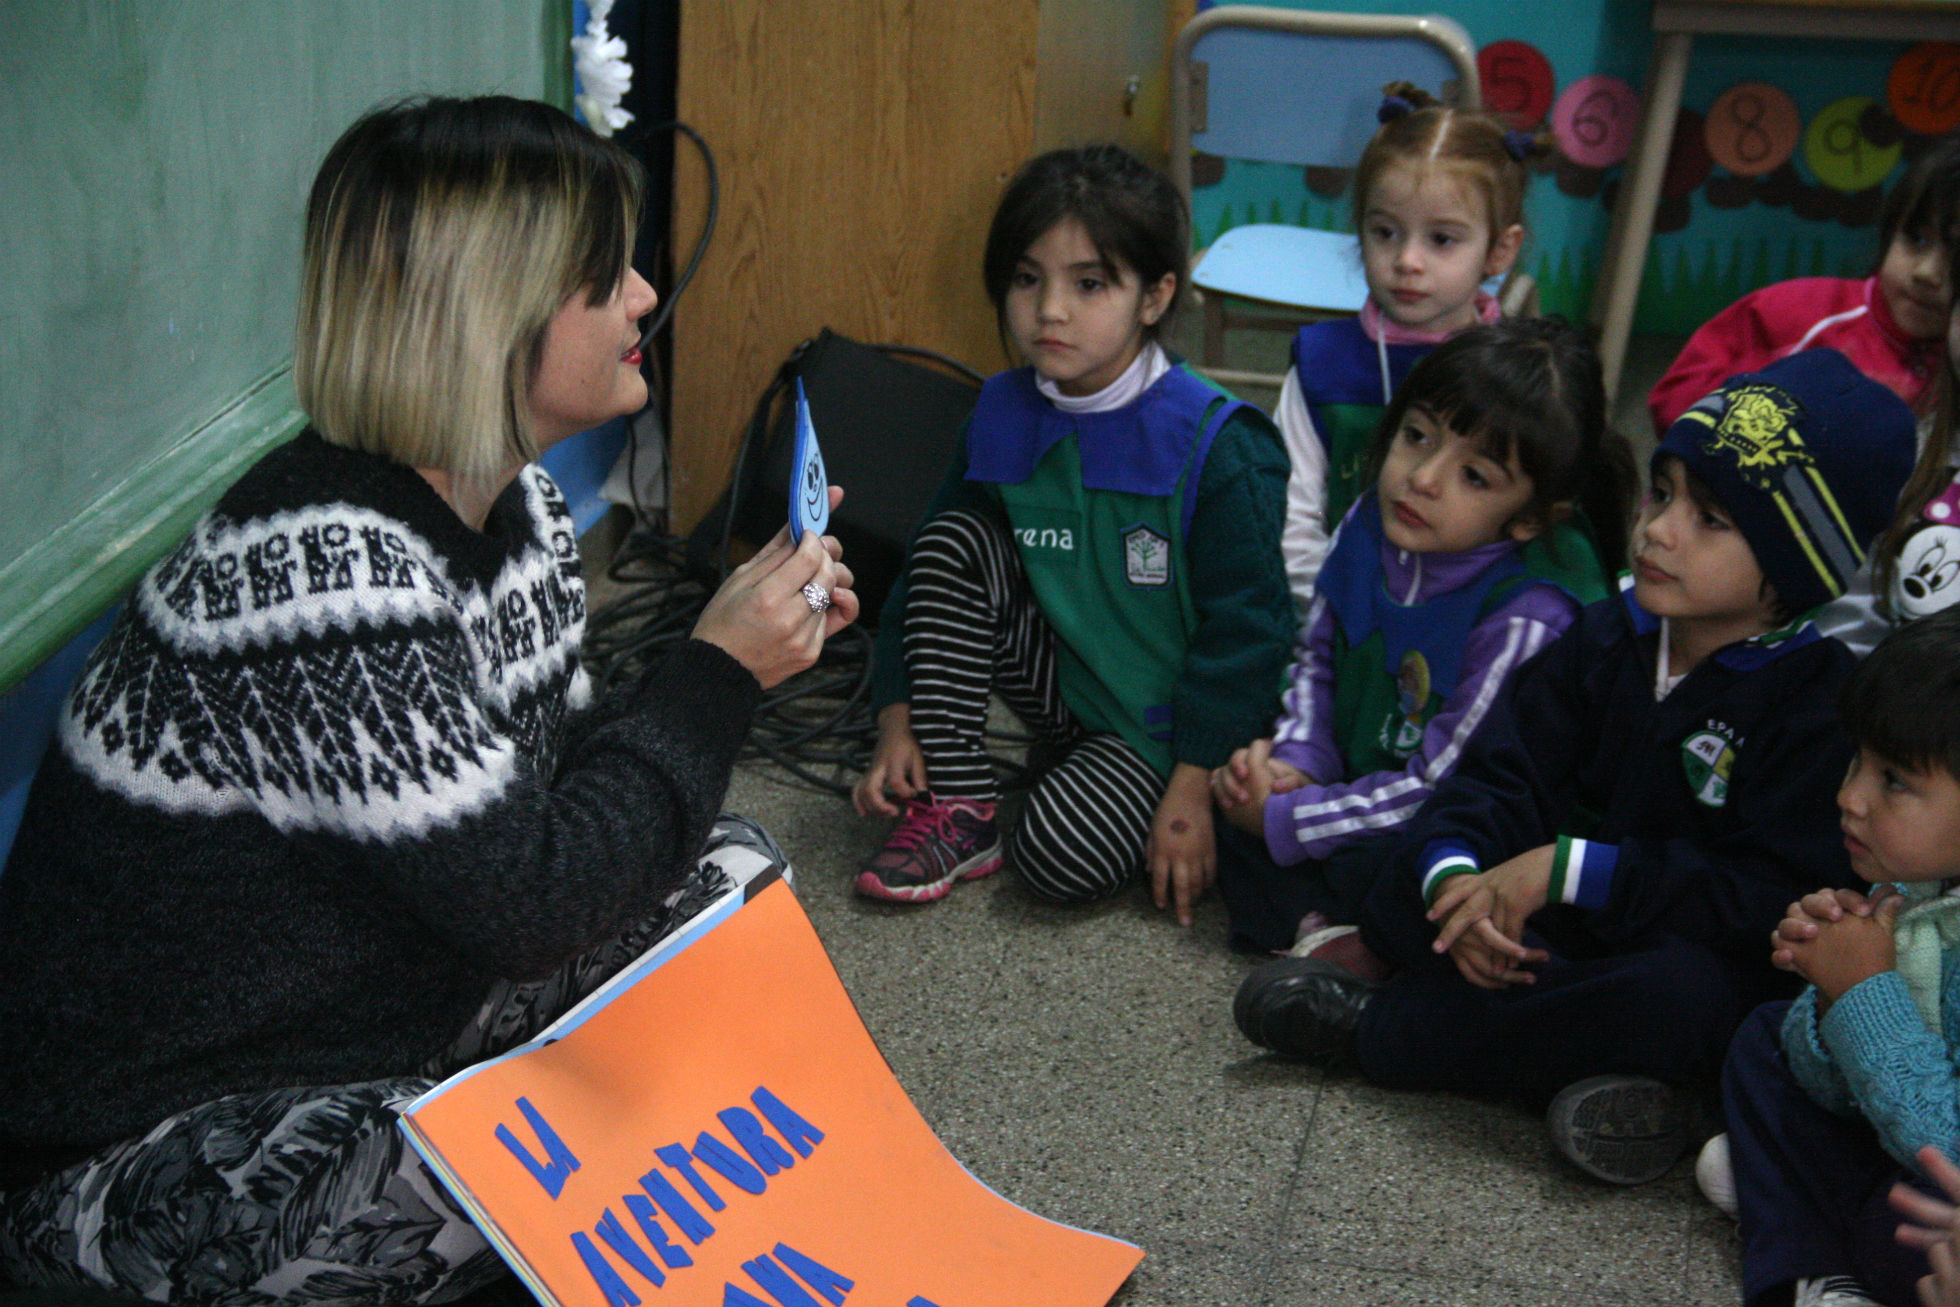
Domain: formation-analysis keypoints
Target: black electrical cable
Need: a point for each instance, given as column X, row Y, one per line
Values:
column 707, row 226
column 657, row 383
column 817, row 726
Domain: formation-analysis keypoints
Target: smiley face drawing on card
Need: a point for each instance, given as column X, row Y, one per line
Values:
column 809, row 484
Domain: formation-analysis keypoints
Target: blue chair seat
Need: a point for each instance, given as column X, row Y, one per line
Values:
column 1294, row 266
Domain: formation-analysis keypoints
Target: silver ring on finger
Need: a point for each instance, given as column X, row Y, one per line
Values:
column 816, row 596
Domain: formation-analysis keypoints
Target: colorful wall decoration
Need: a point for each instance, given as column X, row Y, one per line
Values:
column 1780, row 162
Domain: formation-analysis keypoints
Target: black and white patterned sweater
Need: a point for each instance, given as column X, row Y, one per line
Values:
column 332, row 774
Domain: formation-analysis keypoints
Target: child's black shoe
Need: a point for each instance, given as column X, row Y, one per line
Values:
column 1302, row 1007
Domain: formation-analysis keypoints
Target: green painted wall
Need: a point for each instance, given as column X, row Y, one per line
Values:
column 154, row 159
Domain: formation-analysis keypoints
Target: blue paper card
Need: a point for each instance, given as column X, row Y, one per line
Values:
column 809, row 484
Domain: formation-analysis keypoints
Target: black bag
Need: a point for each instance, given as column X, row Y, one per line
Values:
column 888, row 427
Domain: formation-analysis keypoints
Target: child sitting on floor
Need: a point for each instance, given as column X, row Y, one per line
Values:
column 1103, row 554
column 1463, row 561
column 1829, row 1099
column 1439, row 208
column 1914, row 569
column 1577, row 915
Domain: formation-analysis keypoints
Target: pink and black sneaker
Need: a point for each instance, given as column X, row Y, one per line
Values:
column 933, row 845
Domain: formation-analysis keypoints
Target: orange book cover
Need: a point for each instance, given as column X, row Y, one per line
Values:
column 716, row 1127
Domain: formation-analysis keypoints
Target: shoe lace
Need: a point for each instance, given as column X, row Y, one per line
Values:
column 921, row 822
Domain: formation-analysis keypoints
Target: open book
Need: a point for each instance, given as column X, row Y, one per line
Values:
column 715, row 1126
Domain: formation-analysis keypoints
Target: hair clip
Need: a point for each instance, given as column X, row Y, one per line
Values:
column 1393, row 107
column 1519, row 145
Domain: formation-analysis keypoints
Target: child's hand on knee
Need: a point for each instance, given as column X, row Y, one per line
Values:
column 1240, row 787
column 1481, row 919
column 1181, row 853
column 1230, row 782
column 1488, row 960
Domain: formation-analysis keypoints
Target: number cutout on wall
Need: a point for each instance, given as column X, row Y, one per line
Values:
column 1753, row 128
column 1517, row 82
column 1923, row 89
column 1837, row 150
column 1594, row 120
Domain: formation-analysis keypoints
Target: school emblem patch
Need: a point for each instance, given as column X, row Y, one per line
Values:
column 1412, row 697
column 1146, row 557
column 1708, row 757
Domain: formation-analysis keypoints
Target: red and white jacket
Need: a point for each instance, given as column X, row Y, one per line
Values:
column 1809, row 313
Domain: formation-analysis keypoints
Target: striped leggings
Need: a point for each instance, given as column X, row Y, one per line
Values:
column 972, row 629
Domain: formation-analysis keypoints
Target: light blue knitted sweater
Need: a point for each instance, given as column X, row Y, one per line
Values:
column 1873, row 1054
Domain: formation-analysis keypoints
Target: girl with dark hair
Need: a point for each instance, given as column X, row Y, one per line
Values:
column 1104, row 554
column 1469, row 554
column 1890, row 324
column 1913, row 570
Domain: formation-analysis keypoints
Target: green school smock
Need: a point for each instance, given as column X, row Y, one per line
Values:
column 1395, row 666
column 1099, row 507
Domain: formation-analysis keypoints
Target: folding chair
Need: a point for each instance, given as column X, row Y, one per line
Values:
column 1299, row 87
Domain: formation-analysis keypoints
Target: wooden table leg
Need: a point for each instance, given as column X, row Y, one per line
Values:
column 1625, row 256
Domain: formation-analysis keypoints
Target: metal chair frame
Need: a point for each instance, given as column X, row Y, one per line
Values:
column 1189, row 104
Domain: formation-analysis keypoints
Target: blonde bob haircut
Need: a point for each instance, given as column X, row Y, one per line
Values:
column 442, row 235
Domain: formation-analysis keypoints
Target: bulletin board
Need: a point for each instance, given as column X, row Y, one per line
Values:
column 156, row 159
column 1823, row 118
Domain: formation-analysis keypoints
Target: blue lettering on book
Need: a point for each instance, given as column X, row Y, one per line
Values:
column 559, row 1164
column 768, row 1155
column 603, row 1274
column 648, row 1218
column 680, row 1211
column 801, row 1134
column 729, row 1164
column 645, row 1245
column 676, row 1156
column 614, row 1234
column 775, row 1282
column 815, row 1274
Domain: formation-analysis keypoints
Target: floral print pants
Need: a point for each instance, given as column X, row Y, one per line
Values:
column 312, row 1195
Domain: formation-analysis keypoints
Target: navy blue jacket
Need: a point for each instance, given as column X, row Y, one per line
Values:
column 1704, row 815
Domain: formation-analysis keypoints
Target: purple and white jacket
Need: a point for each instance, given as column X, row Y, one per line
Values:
column 1315, row 820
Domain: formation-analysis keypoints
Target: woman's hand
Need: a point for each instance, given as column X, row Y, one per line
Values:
column 760, row 616
column 1181, row 854
column 897, row 765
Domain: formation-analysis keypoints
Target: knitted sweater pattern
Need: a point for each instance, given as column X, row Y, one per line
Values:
column 369, row 728
column 332, row 774
column 1873, row 1054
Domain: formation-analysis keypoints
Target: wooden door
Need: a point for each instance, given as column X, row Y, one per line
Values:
column 861, row 146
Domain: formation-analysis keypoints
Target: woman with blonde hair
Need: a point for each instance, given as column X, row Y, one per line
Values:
column 332, row 811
